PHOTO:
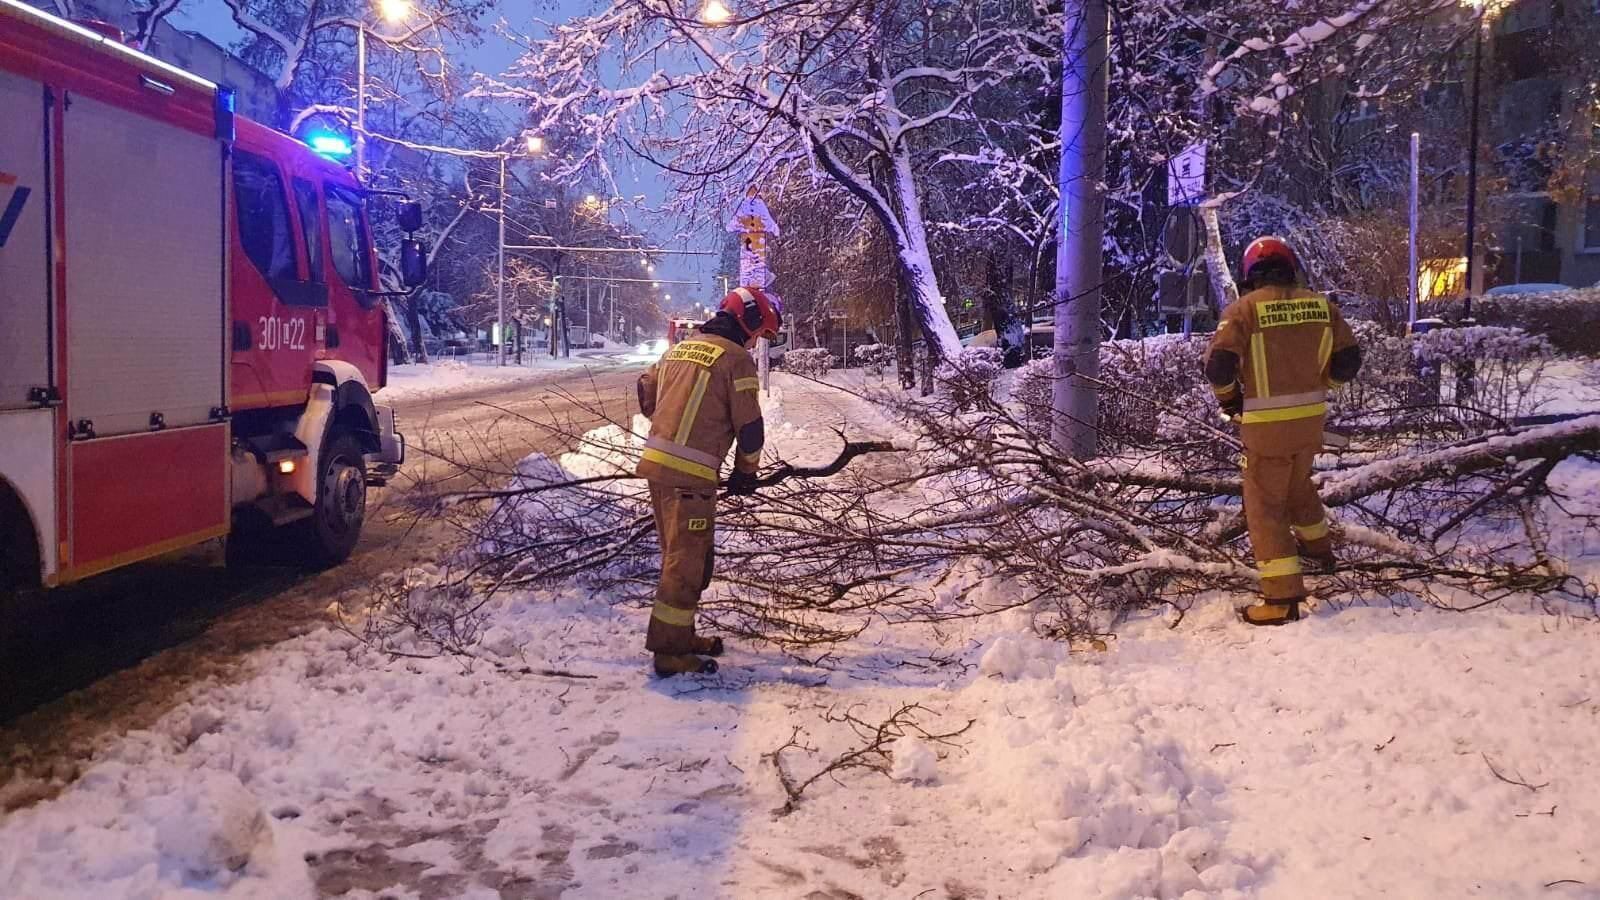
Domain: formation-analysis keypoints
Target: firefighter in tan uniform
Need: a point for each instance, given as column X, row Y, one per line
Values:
column 702, row 399
column 1277, row 352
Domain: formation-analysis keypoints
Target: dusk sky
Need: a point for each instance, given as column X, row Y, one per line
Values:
column 212, row 19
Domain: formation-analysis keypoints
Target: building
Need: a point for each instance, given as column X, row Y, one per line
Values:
column 1542, row 148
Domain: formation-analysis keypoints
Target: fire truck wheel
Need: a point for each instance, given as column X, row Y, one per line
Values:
column 334, row 528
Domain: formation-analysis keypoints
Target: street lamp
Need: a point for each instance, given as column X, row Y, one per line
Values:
column 714, row 12
column 393, row 12
column 535, row 145
column 1481, row 7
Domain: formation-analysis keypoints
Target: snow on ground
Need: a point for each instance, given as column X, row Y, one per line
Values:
column 453, row 376
column 1366, row 752
column 1569, row 385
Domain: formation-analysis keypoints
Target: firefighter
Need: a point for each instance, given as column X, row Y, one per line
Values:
column 702, row 398
column 1277, row 352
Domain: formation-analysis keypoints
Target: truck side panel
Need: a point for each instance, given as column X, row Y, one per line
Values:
column 145, row 270
column 143, row 218
column 139, row 496
column 24, row 247
column 28, row 434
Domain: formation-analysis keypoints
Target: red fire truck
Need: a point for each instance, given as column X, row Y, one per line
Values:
column 191, row 330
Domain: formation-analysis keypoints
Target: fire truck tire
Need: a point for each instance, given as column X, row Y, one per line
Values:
column 330, row 534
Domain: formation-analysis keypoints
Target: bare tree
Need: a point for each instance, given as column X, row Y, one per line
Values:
column 854, row 95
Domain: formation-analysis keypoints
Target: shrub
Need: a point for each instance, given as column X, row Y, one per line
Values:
column 1508, row 364
column 970, row 376
column 875, row 358
column 1152, row 387
column 1570, row 320
column 813, row 363
column 1032, row 391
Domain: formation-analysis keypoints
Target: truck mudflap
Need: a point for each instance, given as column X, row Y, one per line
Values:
column 383, row 464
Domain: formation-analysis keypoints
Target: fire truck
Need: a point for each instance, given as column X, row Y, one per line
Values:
column 191, row 326
column 679, row 329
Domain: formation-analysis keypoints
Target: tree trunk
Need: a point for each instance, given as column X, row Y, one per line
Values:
column 419, row 348
column 905, row 354
column 1080, row 255
column 398, row 351
column 927, row 301
column 1223, row 286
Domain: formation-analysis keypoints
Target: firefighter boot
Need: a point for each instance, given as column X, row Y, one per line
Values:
column 1272, row 613
column 670, row 664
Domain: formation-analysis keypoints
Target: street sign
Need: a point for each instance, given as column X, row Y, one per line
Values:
column 1186, row 177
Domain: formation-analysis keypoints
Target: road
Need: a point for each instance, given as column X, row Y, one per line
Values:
column 115, row 653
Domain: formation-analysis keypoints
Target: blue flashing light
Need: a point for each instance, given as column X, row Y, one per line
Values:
column 330, row 144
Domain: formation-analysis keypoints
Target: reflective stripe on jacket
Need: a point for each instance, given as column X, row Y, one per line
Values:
column 697, row 397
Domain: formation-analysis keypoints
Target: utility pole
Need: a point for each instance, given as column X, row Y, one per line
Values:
column 1416, row 186
column 500, row 280
column 1079, row 255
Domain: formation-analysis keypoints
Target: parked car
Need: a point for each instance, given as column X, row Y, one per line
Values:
column 1530, row 288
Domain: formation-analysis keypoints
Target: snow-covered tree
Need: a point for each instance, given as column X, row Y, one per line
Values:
column 802, row 94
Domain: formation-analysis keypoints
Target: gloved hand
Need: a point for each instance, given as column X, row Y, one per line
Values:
column 741, row 483
column 1234, row 406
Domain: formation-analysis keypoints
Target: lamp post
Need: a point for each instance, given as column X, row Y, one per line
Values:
column 392, row 11
column 1472, row 151
column 535, row 146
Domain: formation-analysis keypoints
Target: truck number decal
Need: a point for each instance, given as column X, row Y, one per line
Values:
column 281, row 334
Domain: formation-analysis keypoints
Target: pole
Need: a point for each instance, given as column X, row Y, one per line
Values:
column 1079, row 254
column 588, row 323
column 500, row 282
column 1472, row 161
column 1416, row 190
column 361, row 102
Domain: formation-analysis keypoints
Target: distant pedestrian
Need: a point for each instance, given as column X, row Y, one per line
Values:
column 1276, row 353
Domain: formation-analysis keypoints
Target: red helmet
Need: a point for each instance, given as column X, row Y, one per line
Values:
column 1269, row 251
column 758, row 310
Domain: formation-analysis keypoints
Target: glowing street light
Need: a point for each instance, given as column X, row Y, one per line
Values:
column 714, row 12
column 393, row 12
column 591, row 200
column 535, row 144
column 665, row 297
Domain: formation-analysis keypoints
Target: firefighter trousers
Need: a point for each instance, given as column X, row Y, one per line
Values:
column 685, row 523
column 1280, row 505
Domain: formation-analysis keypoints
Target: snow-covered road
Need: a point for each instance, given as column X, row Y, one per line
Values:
column 115, row 653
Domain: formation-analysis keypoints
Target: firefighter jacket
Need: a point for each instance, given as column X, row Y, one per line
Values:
column 701, row 397
column 1284, row 347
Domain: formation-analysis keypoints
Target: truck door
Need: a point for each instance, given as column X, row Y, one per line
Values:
column 145, row 293
column 28, row 445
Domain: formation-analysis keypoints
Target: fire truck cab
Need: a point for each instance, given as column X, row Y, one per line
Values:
column 191, row 326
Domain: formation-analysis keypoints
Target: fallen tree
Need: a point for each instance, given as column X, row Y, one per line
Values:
column 976, row 514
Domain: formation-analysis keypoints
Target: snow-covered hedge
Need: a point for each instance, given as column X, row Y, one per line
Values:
column 1399, row 372
column 970, row 376
column 813, row 363
column 1151, row 387
column 1569, row 319
column 1032, row 390
column 875, row 358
